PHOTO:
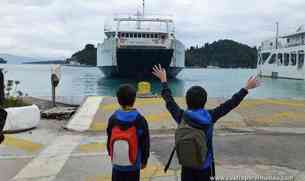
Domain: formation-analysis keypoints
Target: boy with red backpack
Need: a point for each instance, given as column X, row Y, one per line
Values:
column 128, row 142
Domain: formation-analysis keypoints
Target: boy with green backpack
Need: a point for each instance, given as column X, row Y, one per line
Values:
column 193, row 138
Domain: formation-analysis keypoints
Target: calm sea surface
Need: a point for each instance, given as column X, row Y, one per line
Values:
column 80, row 81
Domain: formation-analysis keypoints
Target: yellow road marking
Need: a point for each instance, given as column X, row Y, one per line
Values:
column 155, row 171
column 22, row 144
column 253, row 103
column 92, row 148
column 139, row 103
column 158, row 117
column 290, row 116
column 163, row 116
column 151, row 171
column 98, row 126
column 99, row 178
column 285, row 103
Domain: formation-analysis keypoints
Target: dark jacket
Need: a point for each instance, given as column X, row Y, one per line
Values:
column 3, row 116
column 205, row 118
column 122, row 118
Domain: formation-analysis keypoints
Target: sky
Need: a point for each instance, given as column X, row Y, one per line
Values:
column 58, row 28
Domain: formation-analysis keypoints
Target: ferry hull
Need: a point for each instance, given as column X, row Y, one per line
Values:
column 112, row 71
column 138, row 63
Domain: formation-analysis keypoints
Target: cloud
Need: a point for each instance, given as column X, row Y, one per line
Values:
column 57, row 28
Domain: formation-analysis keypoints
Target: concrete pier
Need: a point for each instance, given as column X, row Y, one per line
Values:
column 260, row 138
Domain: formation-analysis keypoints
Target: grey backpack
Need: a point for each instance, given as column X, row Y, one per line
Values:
column 190, row 145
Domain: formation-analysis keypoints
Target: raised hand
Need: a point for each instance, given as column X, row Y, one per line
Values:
column 160, row 72
column 252, row 83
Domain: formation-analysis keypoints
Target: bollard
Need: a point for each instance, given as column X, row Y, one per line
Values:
column 55, row 79
column 144, row 88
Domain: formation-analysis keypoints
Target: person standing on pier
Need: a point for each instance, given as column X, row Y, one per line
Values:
column 2, row 87
column 128, row 142
column 196, row 157
column 3, row 113
column 3, row 116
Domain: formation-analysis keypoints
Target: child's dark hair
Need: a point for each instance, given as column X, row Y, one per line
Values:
column 126, row 95
column 196, row 97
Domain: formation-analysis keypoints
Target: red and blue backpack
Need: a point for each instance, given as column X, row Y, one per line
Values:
column 124, row 143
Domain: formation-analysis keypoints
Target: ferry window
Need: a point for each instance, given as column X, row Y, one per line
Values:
column 156, row 35
column 293, row 59
column 301, row 60
column 123, row 35
column 144, row 35
column 280, row 58
column 139, row 35
column 272, row 59
column 265, row 56
column 131, row 35
column 288, row 40
column 286, row 59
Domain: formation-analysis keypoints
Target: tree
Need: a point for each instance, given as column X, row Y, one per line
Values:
column 222, row 53
column 87, row 56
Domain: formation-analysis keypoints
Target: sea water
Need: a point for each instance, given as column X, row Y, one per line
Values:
column 87, row 81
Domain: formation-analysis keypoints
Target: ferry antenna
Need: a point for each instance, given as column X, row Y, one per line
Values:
column 277, row 35
column 143, row 7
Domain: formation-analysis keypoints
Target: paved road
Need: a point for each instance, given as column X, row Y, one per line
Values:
column 51, row 153
column 261, row 137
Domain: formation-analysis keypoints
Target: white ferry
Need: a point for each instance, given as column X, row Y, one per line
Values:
column 283, row 56
column 133, row 44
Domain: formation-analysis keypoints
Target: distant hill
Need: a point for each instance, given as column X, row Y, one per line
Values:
column 15, row 59
column 47, row 62
column 2, row 60
column 222, row 53
column 87, row 56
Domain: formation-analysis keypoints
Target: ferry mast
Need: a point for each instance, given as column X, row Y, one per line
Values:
column 143, row 8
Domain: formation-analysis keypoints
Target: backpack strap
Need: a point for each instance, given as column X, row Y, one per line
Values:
column 169, row 160
column 193, row 124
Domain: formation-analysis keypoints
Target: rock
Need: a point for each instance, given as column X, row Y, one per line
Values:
column 59, row 113
column 300, row 177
